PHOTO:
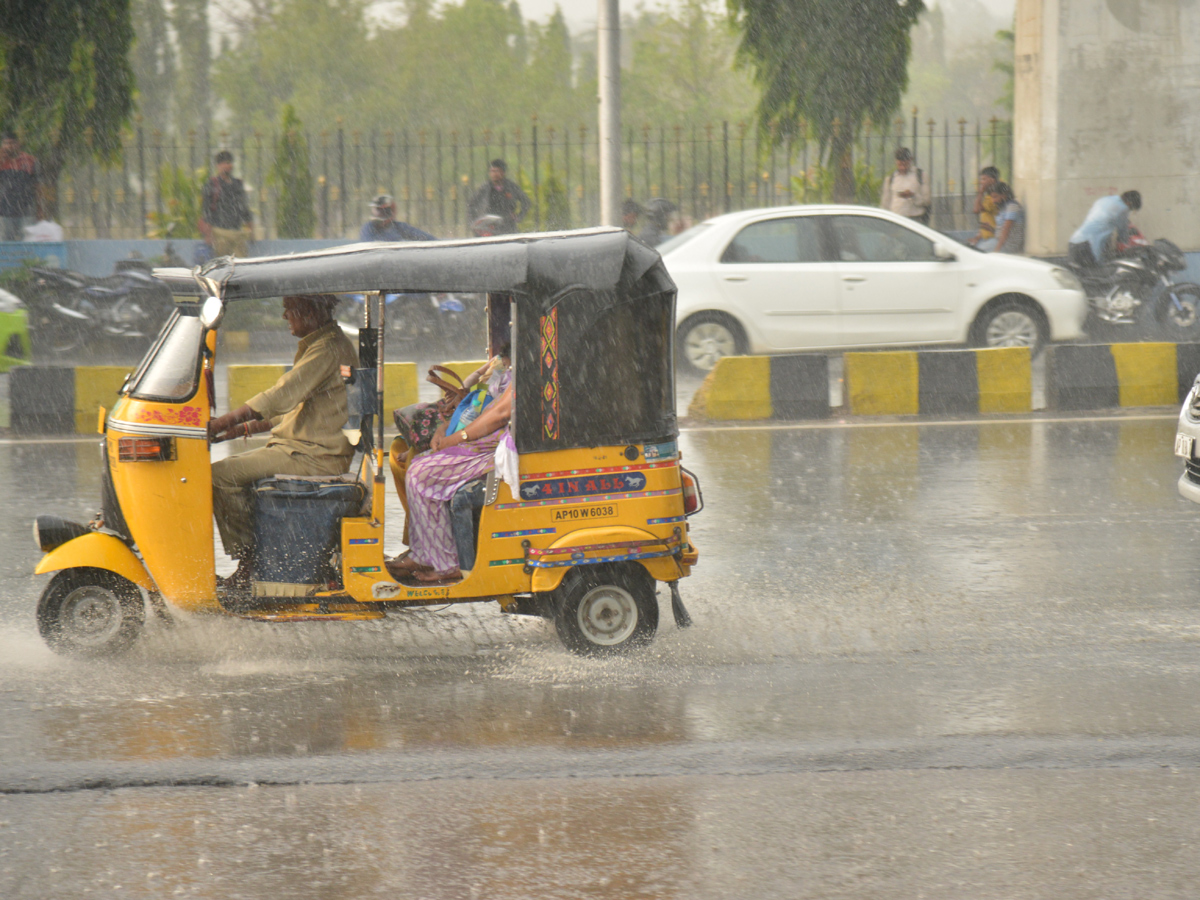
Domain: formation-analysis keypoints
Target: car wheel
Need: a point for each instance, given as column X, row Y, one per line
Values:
column 1010, row 322
column 705, row 337
column 90, row 612
column 606, row 610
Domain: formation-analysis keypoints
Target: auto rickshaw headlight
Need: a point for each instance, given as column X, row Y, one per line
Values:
column 212, row 311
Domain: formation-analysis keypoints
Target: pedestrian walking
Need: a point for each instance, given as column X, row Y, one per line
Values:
column 225, row 221
column 18, row 188
column 500, row 196
column 905, row 191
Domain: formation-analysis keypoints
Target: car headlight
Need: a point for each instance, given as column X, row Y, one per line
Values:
column 1066, row 279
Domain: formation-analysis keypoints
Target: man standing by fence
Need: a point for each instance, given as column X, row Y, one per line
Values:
column 502, row 197
column 905, row 191
column 18, row 189
column 225, row 219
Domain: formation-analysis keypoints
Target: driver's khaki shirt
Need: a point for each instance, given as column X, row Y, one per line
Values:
column 307, row 405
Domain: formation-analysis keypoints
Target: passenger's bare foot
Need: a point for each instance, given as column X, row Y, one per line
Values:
column 428, row 575
column 405, row 565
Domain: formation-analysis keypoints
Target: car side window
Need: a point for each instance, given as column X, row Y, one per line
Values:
column 868, row 239
column 776, row 241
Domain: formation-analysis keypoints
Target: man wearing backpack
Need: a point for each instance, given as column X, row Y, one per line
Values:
column 224, row 213
column 905, row 191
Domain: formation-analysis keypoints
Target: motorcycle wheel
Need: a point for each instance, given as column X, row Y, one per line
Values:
column 1177, row 313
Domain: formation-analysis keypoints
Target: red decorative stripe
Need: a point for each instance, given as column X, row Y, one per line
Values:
column 533, row 476
column 591, row 498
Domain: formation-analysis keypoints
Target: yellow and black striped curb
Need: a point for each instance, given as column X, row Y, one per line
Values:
column 884, row 383
column 67, row 399
column 61, row 399
column 1102, row 376
column 400, row 385
column 949, row 382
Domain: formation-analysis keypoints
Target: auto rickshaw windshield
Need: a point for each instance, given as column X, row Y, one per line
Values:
column 172, row 370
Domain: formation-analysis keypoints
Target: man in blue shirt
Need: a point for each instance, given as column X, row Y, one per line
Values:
column 1092, row 242
column 382, row 226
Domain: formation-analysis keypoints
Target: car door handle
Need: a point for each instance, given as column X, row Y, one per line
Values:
column 737, row 277
column 854, row 278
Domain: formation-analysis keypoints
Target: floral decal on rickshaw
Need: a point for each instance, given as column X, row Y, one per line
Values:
column 549, row 331
column 187, row 415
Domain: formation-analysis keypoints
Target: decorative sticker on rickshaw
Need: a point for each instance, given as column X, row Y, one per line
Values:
column 619, row 482
column 549, row 330
column 660, row 451
column 187, row 415
column 666, row 520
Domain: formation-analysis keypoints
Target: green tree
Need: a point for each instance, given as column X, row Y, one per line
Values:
column 153, row 62
column 290, row 173
column 181, row 193
column 193, row 100
column 65, row 81
column 1006, row 67
column 828, row 67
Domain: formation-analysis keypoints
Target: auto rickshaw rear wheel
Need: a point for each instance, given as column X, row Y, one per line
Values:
column 90, row 612
column 607, row 609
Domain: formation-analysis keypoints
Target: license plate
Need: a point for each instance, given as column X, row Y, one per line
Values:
column 1184, row 444
column 585, row 513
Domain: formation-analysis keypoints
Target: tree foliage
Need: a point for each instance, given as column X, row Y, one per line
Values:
column 290, row 173
column 153, row 62
column 825, row 68
column 470, row 65
column 66, row 85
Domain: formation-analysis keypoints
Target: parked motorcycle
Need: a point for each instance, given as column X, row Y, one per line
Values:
column 426, row 323
column 1135, row 289
column 67, row 309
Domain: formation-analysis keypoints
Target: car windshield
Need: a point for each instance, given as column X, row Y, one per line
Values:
column 680, row 239
column 172, row 372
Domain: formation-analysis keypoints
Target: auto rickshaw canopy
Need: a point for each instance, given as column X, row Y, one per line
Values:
column 593, row 319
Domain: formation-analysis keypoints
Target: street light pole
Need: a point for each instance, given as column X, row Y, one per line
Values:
column 608, row 32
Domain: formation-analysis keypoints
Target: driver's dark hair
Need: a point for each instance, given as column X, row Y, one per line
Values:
column 1132, row 199
column 500, row 164
column 224, row 156
column 990, row 172
column 1004, row 190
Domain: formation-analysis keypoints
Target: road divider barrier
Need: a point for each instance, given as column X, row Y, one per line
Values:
column 61, row 399
column 948, row 382
column 1106, row 376
column 68, row 399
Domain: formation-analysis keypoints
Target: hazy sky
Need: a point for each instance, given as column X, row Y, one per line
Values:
column 582, row 13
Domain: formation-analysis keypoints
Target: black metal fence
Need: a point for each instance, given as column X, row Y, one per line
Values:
column 703, row 170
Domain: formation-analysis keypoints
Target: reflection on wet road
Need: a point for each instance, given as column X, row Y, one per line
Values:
column 941, row 660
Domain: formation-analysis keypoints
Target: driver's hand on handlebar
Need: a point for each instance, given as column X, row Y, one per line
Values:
column 241, row 422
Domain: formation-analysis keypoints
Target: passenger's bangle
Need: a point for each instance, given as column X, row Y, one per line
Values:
column 464, row 434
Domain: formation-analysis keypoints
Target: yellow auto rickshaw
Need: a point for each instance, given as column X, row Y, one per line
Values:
column 600, row 514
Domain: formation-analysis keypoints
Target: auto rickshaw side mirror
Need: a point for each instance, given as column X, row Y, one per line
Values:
column 212, row 311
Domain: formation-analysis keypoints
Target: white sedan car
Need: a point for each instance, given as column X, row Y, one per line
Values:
column 794, row 278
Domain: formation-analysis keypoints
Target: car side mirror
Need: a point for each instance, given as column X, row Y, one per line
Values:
column 942, row 253
column 212, row 312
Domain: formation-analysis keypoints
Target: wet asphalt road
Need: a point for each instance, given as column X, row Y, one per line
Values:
column 942, row 660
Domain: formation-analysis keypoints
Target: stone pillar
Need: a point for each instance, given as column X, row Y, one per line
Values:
column 1107, row 100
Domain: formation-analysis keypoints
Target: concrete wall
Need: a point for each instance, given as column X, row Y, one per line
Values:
column 1107, row 100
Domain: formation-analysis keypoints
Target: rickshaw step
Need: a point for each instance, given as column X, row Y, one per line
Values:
column 313, row 612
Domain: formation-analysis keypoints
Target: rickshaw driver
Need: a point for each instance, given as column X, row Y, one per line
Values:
column 304, row 411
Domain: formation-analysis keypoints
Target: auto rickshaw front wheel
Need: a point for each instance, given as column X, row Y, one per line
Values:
column 90, row 612
column 607, row 609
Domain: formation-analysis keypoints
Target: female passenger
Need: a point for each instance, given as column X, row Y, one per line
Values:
column 454, row 459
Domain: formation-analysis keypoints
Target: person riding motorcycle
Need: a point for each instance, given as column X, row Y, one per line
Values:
column 658, row 217
column 1092, row 242
column 383, row 226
